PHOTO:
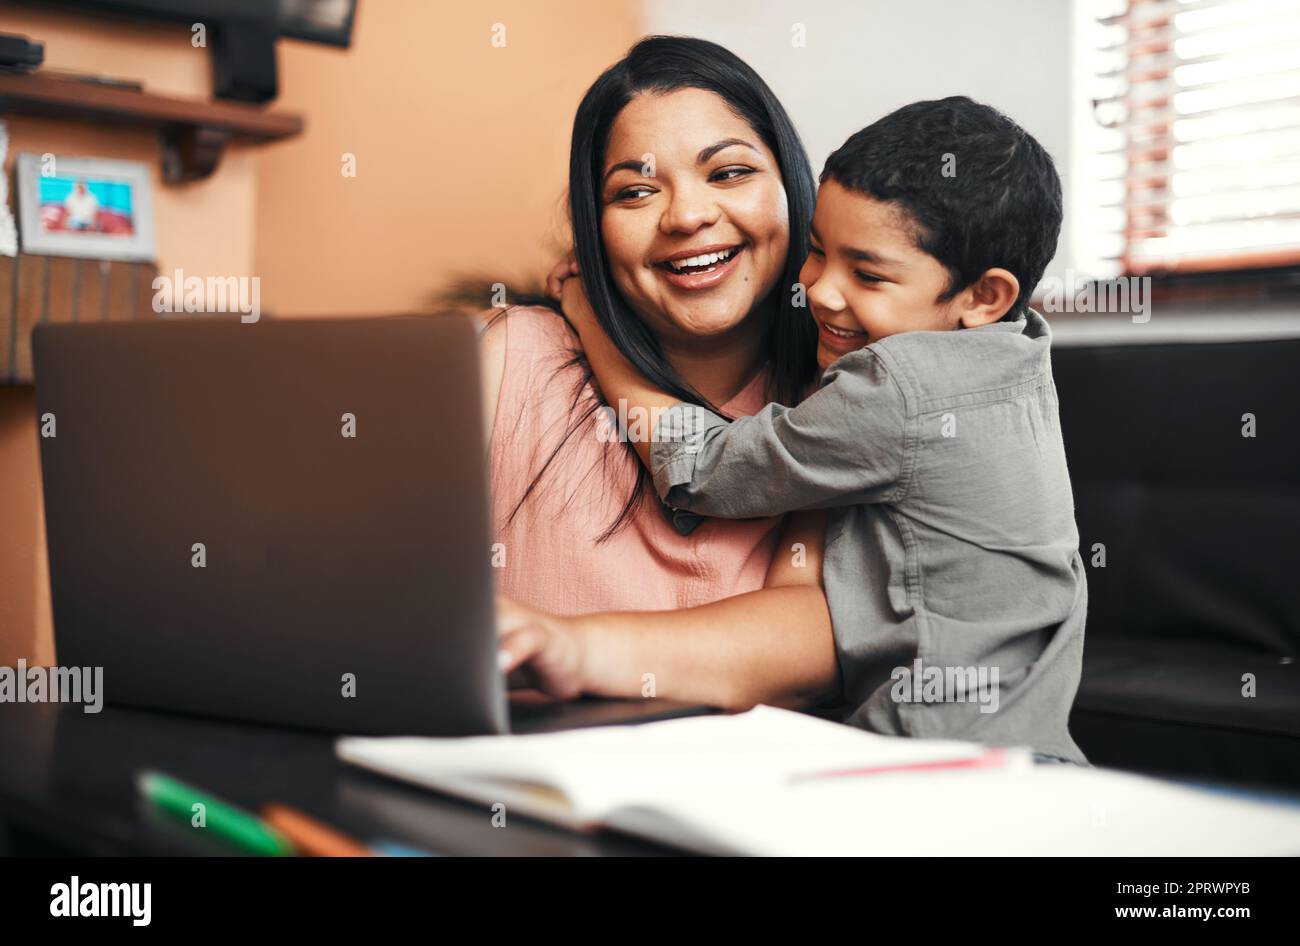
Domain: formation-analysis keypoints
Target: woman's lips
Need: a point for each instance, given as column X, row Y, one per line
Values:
column 840, row 342
column 707, row 279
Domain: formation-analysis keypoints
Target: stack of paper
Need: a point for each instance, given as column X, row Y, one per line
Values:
column 777, row 782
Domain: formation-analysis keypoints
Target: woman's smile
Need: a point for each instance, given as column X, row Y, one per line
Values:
column 700, row 268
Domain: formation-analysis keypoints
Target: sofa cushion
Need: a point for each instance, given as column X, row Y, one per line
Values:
column 1200, row 525
column 1159, row 706
column 1196, row 685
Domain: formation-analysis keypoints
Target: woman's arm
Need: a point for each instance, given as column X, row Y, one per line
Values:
column 492, row 364
column 798, row 556
column 771, row 646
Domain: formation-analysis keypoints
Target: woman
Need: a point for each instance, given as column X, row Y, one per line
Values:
column 690, row 197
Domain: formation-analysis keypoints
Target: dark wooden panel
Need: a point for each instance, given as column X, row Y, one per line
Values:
column 62, row 285
column 31, row 298
column 64, row 289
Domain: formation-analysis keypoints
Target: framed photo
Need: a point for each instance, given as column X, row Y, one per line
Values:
column 85, row 207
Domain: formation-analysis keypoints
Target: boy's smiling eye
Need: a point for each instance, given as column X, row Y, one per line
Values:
column 867, row 277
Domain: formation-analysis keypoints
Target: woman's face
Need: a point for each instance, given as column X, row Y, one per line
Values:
column 686, row 179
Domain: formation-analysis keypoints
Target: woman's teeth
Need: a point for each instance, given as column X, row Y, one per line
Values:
column 705, row 259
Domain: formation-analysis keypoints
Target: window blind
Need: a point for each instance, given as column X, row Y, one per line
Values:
column 1193, row 161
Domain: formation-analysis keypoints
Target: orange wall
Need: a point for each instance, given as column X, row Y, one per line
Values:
column 461, row 153
column 202, row 227
column 461, row 150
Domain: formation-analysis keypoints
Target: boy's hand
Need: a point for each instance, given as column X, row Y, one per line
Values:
column 617, row 379
column 573, row 300
column 545, row 651
column 563, row 272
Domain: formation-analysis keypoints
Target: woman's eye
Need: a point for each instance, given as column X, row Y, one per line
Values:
column 732, row 174
column 816, row 251
column 632, row 193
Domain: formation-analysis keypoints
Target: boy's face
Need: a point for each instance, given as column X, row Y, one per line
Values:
column 866, row 278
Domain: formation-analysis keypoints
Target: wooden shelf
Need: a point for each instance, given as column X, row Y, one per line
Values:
column 194, row 132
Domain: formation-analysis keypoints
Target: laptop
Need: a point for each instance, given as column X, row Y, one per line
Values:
column 282, row 521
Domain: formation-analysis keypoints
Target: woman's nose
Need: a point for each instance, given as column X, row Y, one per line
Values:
column 688, row 211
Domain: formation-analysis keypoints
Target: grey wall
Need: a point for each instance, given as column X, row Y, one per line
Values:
column 866, row 58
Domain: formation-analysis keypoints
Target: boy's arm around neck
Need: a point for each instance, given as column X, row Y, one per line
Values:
column 842, row 445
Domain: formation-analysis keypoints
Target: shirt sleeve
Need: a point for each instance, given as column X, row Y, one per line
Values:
column 843, row 445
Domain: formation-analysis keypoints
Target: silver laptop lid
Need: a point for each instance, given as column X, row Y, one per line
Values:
column 282, row 521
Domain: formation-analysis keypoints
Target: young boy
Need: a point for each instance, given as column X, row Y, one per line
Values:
column 952, row 570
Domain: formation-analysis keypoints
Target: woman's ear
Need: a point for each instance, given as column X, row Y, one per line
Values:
column 989, row 298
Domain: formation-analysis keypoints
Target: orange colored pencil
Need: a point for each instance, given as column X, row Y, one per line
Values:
column 311, row 836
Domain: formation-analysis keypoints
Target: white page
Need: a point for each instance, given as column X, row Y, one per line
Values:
column 1024, row 809
column 606, row 768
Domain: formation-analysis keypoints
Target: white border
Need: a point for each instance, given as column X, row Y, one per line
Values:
column 137, row 248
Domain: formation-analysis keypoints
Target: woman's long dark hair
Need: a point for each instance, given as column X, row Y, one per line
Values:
column 662, row 64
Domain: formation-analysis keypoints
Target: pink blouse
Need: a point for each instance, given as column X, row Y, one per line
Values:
column 549, row 557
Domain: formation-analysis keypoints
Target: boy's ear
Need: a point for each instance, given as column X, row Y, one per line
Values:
column 989, row 298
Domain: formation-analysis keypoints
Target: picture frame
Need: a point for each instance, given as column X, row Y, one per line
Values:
column 92, row 208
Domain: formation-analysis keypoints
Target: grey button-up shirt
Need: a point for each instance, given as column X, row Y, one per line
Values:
column 952, row 564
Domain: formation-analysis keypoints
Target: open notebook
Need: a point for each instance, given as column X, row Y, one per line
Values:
column 772, row 781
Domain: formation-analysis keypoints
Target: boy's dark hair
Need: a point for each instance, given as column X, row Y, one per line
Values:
column 998, row 205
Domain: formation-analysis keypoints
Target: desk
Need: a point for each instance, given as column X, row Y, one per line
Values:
column 67, row 786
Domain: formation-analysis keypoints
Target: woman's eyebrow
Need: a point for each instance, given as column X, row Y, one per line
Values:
column 700, row 158
column 624, row 166
column 717, row 146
